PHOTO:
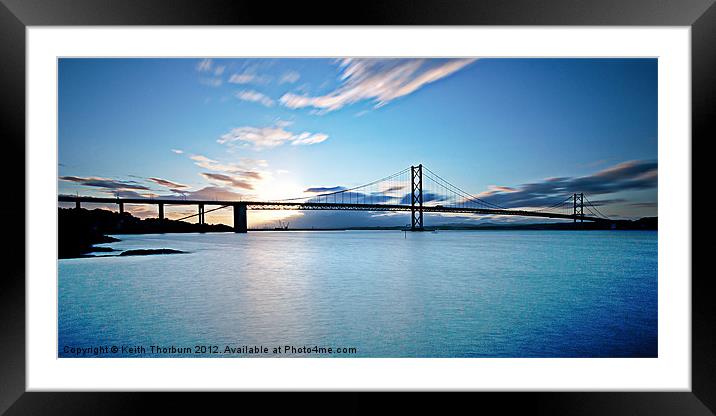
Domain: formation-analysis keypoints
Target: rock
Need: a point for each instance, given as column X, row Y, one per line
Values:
column 148, row 252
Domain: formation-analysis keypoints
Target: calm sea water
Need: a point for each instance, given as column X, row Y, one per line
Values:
column 384, row 293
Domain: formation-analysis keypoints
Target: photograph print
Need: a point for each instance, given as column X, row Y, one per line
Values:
column 352, row 207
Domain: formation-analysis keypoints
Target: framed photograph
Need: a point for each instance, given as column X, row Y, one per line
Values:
column 488, row 197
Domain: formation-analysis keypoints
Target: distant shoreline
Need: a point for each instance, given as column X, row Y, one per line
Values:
column 79, row 230
column 536, row 227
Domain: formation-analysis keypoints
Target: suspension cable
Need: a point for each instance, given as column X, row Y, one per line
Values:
column 555, row 205
column 595, row 208
column 345, row 190
column 460, row 191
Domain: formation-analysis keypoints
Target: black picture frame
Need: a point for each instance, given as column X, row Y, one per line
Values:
column 16, row 15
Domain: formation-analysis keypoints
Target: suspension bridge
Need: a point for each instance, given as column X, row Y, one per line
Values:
column 417, row 190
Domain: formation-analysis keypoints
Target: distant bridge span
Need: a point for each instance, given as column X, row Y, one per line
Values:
column 466, row 204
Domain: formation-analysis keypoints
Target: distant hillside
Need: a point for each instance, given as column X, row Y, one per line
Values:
column 647, row 223
column 79, row 230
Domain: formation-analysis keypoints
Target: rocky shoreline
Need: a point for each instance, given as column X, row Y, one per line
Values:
column 79, row 230
column 134, row 252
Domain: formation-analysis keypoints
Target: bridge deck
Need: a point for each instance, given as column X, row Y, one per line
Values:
column 276, row 205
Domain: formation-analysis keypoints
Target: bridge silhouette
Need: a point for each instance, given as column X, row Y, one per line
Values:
column 417, row 190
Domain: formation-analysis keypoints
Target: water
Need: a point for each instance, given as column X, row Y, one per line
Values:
column 445, row 294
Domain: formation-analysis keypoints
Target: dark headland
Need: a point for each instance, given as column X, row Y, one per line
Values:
column 79, row 230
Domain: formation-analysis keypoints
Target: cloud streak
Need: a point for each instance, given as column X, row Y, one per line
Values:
column 627, row 176
column 378, row 80
column 228, row 180
column 248, row 78
column 211, row 81
column 307, row 138
column 268, row 137
column 167, row 183
column 323, row 189
column 255, row 97
column 109, row 184
column 243, row 176
column 204, row 65
column 289, row 77
column 244, row 168
column 211, row 73
column 121, row 189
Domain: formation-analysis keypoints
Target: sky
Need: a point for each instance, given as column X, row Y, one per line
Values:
column 516, row 132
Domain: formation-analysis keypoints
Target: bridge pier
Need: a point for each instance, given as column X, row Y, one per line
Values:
column 121, row 207
column 77, row 204
column 201, row 214
column 240, row 220
column 161, row 217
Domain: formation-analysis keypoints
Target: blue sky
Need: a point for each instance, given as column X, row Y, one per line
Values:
column 272, row 128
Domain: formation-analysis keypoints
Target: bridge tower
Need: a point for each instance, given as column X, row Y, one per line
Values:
column 578, row 210
column 416, row 199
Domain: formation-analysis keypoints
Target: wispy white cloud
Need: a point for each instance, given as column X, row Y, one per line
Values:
column 204, row 65
column 307, row 138
column 267, row 137
column 211, row 82
column 177, row 151
column 377, row 80
column 211, row 73
column 283, row 123
column 248, row 78
column 245, row 166
column 255, row 96
column 241, row 78
column 289, row 77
